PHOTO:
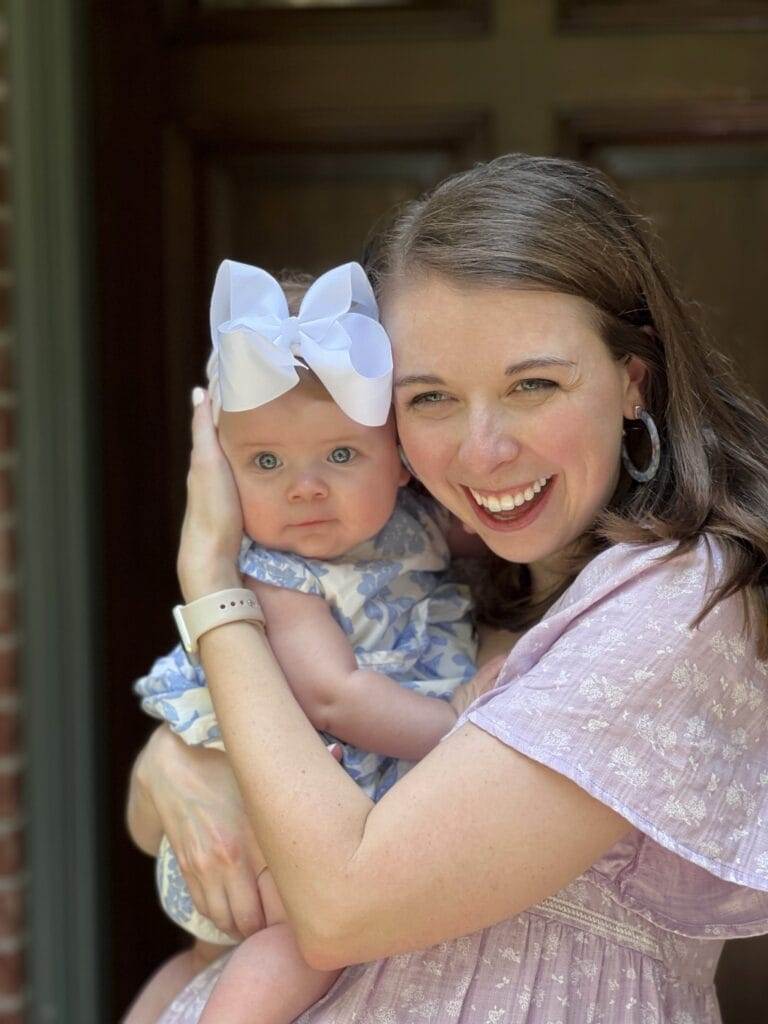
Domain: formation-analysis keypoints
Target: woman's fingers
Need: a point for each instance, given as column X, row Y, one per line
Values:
column 212, row 529
column 220, row 911
column 245, row 902
column 204, row 439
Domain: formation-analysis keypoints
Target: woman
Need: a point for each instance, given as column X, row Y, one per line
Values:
column 593, row 828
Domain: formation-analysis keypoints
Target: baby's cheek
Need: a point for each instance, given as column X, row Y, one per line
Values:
column 259, row 523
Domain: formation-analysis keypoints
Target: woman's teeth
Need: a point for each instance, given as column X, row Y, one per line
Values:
column 514, row 499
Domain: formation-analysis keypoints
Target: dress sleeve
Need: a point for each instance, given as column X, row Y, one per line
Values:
column 665, row 723
column 282, row 569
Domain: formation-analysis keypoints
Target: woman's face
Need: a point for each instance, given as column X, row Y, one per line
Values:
column 509, row 408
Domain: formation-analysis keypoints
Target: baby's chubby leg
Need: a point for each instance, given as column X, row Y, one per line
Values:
column 169, row 979
column 266, row 980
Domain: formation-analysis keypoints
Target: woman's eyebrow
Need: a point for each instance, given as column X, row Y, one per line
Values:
column 524, row 364
column 532, row 363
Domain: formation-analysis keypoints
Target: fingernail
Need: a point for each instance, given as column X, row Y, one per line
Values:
column 197, row 396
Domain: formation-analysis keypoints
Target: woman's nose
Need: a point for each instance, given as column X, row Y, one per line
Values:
column 487, row 445
column 307, row 487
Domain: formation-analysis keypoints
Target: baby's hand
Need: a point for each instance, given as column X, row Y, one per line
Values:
column 483, row 680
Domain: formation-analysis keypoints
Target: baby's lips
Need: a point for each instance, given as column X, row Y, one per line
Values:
column 335, row 750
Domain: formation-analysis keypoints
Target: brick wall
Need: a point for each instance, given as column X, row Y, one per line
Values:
column 11, row 848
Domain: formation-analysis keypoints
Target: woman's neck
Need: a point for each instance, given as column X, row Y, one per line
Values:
column 549, row 574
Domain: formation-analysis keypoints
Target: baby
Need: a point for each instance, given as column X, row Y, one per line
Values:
column 349, row 566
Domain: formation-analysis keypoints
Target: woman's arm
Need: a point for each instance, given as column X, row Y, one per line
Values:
column 359, row 706
column 474, row 834
column 494, row 832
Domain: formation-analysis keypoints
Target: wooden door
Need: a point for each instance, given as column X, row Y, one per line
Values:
column 276, row 132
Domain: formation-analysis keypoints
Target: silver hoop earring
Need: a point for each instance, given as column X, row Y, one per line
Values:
column 405, row 462
column 644, row 475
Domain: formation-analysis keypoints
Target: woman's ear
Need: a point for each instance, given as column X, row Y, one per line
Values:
column 635, row 383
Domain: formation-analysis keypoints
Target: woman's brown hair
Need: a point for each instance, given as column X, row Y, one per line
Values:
column 522, row 221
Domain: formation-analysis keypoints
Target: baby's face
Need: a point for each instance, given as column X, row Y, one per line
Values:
column 311, row 480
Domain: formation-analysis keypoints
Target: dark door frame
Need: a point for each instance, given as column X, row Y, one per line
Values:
column 52, row 253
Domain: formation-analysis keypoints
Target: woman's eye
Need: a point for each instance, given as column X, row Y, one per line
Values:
column 267, row 460
column 532, row 385
column 341, row 455
column 429, row 398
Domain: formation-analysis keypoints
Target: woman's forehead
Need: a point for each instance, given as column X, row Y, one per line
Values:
column 435, row 320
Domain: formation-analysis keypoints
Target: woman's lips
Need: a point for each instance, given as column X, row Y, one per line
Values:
column 517, row 519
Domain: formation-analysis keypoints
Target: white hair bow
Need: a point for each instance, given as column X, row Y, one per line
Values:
column 337, row 335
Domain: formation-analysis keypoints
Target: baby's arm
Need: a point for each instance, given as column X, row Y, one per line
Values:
column 361, row 707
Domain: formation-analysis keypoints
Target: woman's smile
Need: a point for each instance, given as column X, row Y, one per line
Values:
column 513, row 509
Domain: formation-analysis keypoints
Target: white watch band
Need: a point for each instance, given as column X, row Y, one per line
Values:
column 201, row 616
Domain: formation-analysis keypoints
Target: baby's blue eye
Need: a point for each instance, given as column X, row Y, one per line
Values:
column 341, row 455
column 267, row 460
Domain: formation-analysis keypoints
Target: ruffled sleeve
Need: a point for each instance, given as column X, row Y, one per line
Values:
column 665, row 723
column 282, row 569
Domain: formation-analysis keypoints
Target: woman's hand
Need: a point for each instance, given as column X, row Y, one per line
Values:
column 200, row 810
column 483, row 680
column 213, row 522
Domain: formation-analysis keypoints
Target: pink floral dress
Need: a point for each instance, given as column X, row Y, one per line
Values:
column 666, row 724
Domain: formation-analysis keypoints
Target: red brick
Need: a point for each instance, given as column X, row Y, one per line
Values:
column 7, row 426
column 5, row 235
column 8, row 608
column 10, row 795
column 9, row 668
column 9, row 733
column 5, row 305
column 7, row 549
column 11, row 911
column 11, row 852
column 7, row 485
column 6, row 368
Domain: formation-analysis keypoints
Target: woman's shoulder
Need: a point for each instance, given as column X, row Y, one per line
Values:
column 654, row 709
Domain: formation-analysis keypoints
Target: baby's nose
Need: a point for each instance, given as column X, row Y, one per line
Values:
column 308, row 487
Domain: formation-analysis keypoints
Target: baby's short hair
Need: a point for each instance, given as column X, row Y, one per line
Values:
column 295, row 285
